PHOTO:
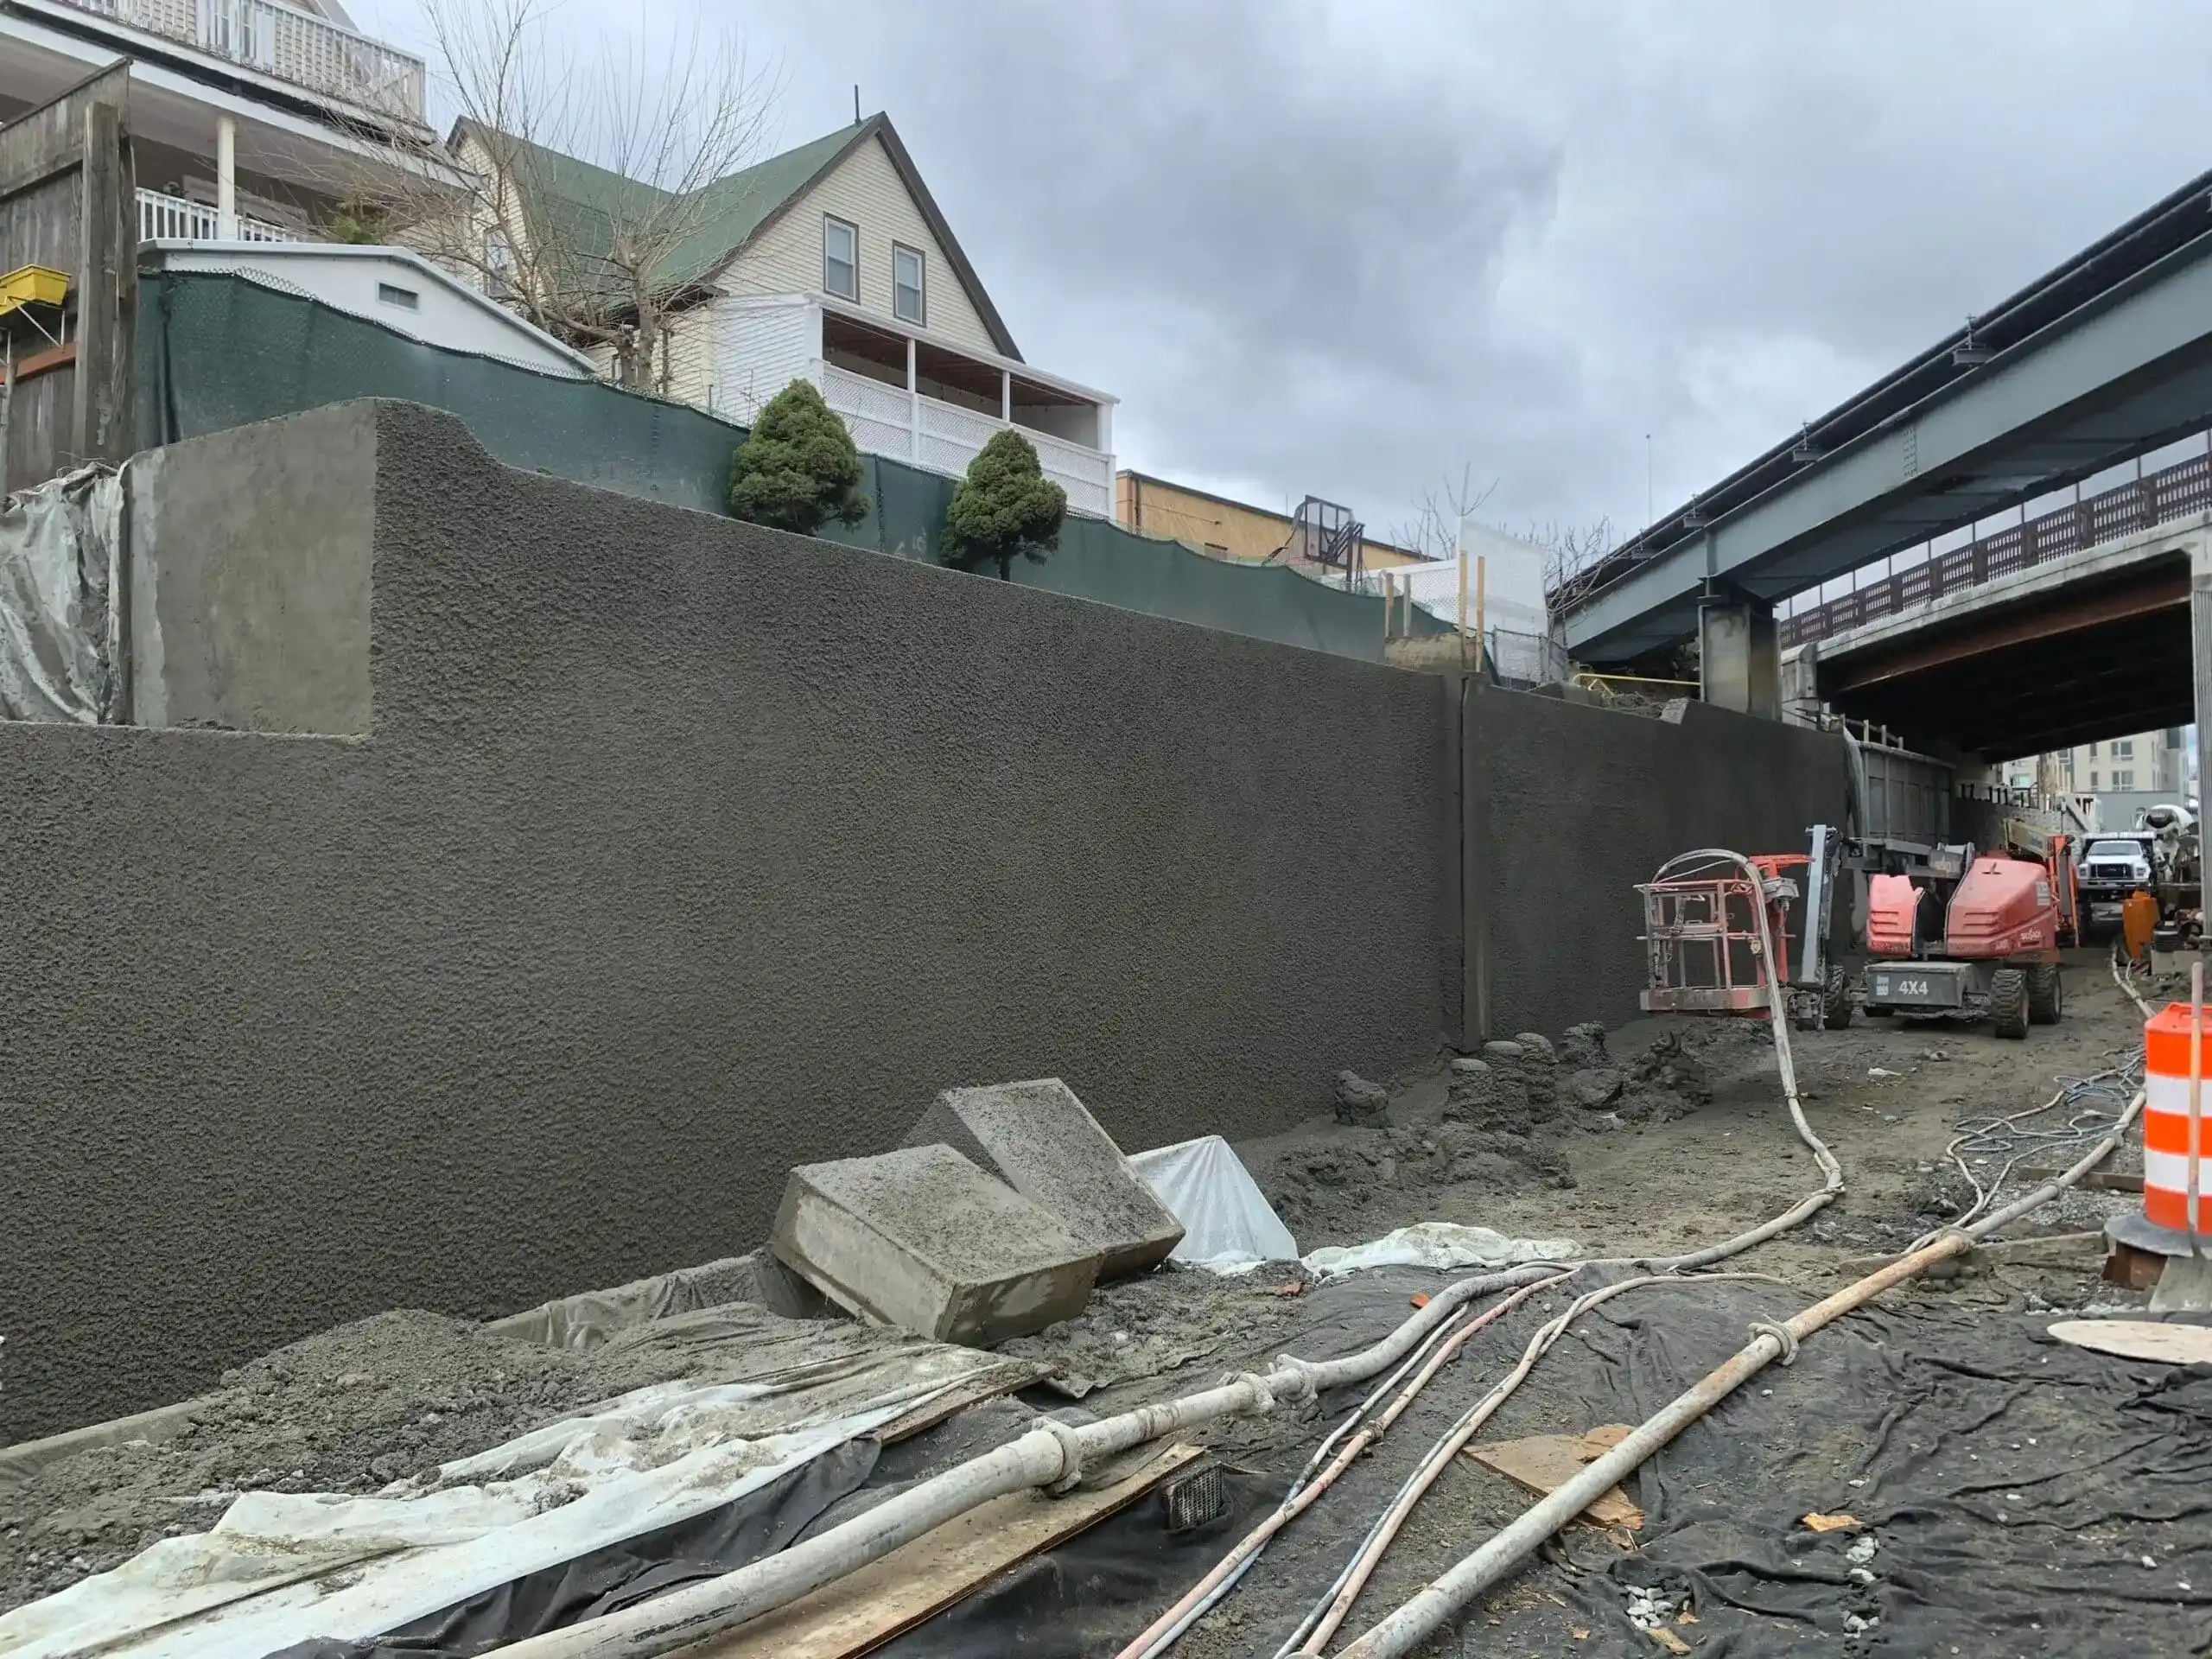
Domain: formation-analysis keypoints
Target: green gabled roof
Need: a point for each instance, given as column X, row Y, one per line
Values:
column 734, row 208
column 586, row 203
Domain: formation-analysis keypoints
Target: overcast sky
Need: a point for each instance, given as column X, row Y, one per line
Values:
column 1347, row 249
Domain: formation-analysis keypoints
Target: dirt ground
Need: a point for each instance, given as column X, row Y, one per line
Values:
column 1656, row 1137
column 1718, row 1154
column 1705, row 1152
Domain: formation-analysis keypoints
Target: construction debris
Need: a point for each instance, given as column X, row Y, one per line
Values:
column 1040, row 1140
column 922, row 1239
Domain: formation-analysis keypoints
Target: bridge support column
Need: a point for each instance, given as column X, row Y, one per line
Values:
column 1739, row 656
column 2200, row 660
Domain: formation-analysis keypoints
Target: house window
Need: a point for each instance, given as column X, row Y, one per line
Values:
column 840, row 259
column 2093, row 780
column 2123, row 748
column 906, row 296
column 406, row 298
column 2093, row 751
column 2123, row 779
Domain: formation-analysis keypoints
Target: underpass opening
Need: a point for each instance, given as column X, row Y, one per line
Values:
column 2094, row 657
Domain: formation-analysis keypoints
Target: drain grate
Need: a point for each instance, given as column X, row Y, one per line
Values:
column 1194, row 1499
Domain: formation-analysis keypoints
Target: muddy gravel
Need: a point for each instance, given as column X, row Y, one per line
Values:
column 348, row 1410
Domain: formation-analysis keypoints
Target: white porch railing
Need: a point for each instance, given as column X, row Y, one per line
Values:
column 887, row 420
column 284, row 41
column 160, row 215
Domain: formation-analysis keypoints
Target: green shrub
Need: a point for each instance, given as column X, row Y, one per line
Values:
column 799, row 469
column 1004, row 506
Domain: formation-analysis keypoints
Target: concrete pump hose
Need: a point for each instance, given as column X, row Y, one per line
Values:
column 1405, row 1630
column 1040, row 1458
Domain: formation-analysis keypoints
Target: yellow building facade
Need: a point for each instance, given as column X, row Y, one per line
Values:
column 1219, row 527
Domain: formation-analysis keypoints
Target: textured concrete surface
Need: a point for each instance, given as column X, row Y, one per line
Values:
column 682, row 852
column 923, row 1239
column 248, row 585
column 1586, row 803
column 1037, row 1138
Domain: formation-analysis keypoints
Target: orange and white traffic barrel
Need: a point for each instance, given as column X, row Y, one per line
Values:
column 2177, row 1146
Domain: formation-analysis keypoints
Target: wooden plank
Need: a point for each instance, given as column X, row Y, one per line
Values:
column 1544, row 1463
column 100, row 423
column 37, row 363
column 2172, row 1345
column 40, row 227
column 49, row 140
column 915, row 1582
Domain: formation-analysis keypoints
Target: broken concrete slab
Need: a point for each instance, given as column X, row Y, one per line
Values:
column 1040, row 1140
column 923, row 1239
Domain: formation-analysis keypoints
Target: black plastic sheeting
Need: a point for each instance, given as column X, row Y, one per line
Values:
column 2023, row 1496
column 760, row 1523
column 1094, row 1592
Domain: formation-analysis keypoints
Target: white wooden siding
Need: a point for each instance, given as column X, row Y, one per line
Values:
column 864, row 190
column 690, row 347
column 759, row 350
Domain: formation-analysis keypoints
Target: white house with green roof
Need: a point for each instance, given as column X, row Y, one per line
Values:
column 831, row 262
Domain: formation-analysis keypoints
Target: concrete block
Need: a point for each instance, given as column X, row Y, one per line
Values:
column 923, row 1239
column 1040, row 1140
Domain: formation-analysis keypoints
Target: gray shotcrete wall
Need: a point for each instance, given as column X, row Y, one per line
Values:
column 1585, row 802
column 656, row 853
column 677, row 852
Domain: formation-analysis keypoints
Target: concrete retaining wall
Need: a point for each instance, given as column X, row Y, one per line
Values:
column 679, row 852
column 1584, row 803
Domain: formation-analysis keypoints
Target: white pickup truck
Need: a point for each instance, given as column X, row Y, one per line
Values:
column 2111, row 867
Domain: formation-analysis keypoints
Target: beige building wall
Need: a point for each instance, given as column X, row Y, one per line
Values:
column 2154, row 762
column 1215, row 525
column 866, row 191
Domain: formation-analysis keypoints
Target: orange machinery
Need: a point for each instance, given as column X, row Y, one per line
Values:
column 1990, row 947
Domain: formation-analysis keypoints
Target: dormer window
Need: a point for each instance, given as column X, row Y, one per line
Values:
column 840, row 259
column 907, row 285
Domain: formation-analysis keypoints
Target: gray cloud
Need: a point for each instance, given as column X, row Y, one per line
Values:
column 1343, row 246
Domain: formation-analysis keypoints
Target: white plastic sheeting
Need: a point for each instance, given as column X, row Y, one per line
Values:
column 1228, row 1226
column 1438, row 1244
column 59, row 543
column 281, row 1569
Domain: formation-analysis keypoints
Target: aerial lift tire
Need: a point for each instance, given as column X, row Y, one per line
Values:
column 2046, row 1001
column 1835, row 1001
column 2008, row 1002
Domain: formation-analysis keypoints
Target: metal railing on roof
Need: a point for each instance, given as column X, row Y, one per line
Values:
column 283, row 41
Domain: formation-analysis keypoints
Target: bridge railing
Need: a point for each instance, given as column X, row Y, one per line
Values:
column 2159, row 497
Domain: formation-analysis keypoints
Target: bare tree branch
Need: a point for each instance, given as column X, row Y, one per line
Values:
column 595, row 261
column 1434, row 533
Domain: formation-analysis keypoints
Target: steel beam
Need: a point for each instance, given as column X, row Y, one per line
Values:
column 2166, row 588
column 2115, row 377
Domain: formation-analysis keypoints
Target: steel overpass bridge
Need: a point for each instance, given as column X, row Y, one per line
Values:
column 2065, row 628
column 2094, row 364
